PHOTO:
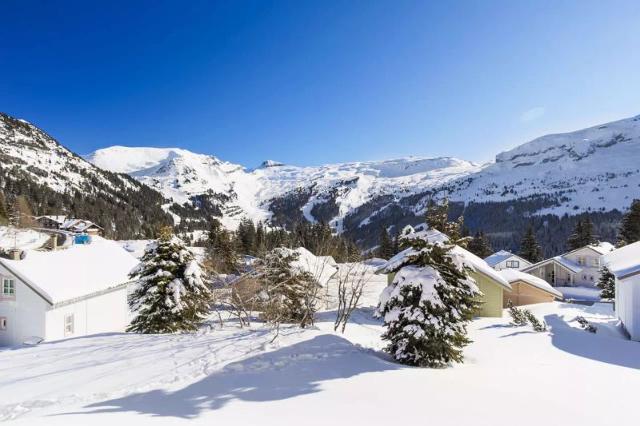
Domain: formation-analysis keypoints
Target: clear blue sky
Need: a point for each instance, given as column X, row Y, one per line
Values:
column 312, row 82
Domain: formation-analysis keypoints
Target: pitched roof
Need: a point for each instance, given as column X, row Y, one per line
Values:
column 74, row 272
column 566, row 263
column 513, row 275
column 436, row 237
column 78, row 225
column 625, row 261
column 602, row 247
column 501, row 256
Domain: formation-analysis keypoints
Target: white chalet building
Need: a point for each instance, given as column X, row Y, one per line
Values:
column 506, row 260
column 579, row 267
column 65, row 293
column 624, row 264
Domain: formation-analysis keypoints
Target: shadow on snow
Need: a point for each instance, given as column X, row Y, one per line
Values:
column 285, row 373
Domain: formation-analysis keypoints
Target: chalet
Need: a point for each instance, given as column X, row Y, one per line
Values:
column 81, row 226
column 65, row 293
column 624, row 264
column 489, row 281
column 527, row 289
column 504, row 259
column 51, row 222
column 579, row 267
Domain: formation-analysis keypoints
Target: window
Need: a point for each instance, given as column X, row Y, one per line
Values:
column 513, row 263
column 68, row 324
column 581, row 260
column 3, row 323
column 8, row 287
column 596, row 261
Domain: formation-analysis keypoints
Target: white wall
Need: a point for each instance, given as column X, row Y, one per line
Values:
column 628, row 305
column 590, row 273
column 101, row 314
column 25, row 315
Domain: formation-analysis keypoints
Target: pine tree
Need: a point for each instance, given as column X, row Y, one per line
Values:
column 290, row 293
column 480, row 245
column 427, row 307
column 170, row 294
column 582, row 235
column 385, row 248
column 607, row 283
column 437, row 217
column 221, row 255
column 629, row 231
column 529, row 248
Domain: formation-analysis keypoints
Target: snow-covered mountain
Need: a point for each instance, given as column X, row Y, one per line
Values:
column 57, row 181
column 181, row 175
column 595, row 169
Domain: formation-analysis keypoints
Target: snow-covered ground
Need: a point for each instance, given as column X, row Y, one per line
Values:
column 25, row 239
column 511, row 375
column 584, row 294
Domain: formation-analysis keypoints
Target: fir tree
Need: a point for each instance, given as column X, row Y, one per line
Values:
column 529, row 248
column 480, row 245
column 427, row 307
column 607, row 284
column 437, row 217
column 629, row 231
column 222, row 257
column 170, row 294
column 289, row 292
column 582, row 235
column 385, row 248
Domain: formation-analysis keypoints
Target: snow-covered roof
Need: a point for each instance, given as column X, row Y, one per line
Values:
column 78, row 225
column 436, row 237
column 322, row 268
column 59, row 219
column 602, row 247
column 625, row 261
column 513, row 275
column 566, row 263
column 375, row 262
column 501, row 256
column 75, row 272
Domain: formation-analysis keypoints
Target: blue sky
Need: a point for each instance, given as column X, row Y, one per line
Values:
column 313, row 82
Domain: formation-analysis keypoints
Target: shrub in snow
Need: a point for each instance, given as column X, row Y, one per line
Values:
column 289, row 294
column 586, row 325
column 169, row 294
column 607, row 283
column 518, row 317
column 536, row 324
column 428, row 305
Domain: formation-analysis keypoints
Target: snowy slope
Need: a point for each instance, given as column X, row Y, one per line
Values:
column 591, row 169
column 587, row 170
column 180, row 174
column 25, row 147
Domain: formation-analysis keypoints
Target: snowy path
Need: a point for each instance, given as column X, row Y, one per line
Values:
column 511, row 376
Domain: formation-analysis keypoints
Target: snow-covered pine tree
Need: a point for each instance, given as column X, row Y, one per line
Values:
column 529, row 248
column 289, row 293
column 630, row 227
column 437, row 217
column 170, row 294
column 428, row 305
column 607, row 284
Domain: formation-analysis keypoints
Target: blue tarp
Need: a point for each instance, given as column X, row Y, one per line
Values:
column 82, row 239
